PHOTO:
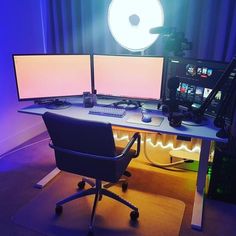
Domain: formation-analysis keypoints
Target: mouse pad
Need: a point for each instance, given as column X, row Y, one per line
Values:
column 137, row 119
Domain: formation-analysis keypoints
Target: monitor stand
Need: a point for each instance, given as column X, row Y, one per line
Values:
column 127, row 104
column 54, row 104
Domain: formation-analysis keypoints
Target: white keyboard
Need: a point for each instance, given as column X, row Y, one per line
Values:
column 107, row 111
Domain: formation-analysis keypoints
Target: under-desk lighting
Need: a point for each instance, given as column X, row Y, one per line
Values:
column 170, row 145
column 160, row 144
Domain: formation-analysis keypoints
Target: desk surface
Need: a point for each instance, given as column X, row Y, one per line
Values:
column 76, row 110
column 205, row 132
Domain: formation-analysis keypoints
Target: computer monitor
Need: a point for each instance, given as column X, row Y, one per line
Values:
column 125, row 76
column 51, row 76
column 196, row 79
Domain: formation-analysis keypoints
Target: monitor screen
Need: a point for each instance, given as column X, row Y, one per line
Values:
column 196, row 79
column 137, row 77
column 50, row 76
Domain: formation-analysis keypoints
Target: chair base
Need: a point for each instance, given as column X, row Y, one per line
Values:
column 98, row 190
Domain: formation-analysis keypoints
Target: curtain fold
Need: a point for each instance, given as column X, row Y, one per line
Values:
column 80, row 26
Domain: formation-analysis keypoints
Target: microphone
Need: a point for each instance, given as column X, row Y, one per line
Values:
column 171, row 101
column 175, row 117
column 171, row 104
column 172, row 85
column 161, row 30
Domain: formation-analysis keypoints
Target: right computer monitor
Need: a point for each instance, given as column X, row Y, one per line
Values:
column 196, row 79
column 127, row 76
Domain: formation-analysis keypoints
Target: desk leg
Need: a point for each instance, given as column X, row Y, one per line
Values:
column 42, row 183
column 201, row 180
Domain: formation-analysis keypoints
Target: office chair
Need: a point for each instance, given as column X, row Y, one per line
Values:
column 87, row 148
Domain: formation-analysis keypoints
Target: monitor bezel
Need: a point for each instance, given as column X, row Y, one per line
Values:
column 48, row 97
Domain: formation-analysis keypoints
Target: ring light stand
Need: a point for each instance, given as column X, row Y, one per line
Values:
column 130, row 23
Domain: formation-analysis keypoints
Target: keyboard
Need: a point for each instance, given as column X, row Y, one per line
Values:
column 107, row 111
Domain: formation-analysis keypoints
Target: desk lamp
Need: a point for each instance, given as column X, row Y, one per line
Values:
column 130, row 23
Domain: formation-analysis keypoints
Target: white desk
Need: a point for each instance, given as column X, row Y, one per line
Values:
column 206, row 133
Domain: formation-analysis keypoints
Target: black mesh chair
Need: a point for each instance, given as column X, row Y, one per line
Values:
column 87, row 148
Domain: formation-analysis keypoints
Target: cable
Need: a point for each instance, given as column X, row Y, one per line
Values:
column 163, row 165
column 21, row 148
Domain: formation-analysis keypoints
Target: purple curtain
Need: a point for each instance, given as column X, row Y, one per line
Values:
column 80, row 26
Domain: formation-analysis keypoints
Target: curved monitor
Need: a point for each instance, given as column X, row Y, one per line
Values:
column 51, row 76
column 136, row 77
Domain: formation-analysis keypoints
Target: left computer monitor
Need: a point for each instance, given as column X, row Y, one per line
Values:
column 46, row 76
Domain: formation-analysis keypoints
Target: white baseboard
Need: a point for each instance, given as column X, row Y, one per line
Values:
column 21, row 137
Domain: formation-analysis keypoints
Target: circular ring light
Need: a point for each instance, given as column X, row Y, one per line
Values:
column 131, row 20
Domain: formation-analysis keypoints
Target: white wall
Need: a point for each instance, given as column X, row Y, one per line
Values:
column 20, row 32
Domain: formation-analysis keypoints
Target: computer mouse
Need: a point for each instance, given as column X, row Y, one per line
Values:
column 146, row 118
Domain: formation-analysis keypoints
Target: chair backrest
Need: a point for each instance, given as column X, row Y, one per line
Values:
column 85, row 138
column 80, row 135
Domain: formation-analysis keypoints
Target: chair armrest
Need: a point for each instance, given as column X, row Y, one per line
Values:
column 135, row 137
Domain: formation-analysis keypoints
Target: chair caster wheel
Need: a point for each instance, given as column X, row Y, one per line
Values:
column 90, row 232
column 134, row 215
column 124, row 186
column 100, row 197
column 127, row 173
column 58, row 210
column 81, row 185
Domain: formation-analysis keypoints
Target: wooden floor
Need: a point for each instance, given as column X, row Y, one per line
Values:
column 219, row 217
column 18, row 174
